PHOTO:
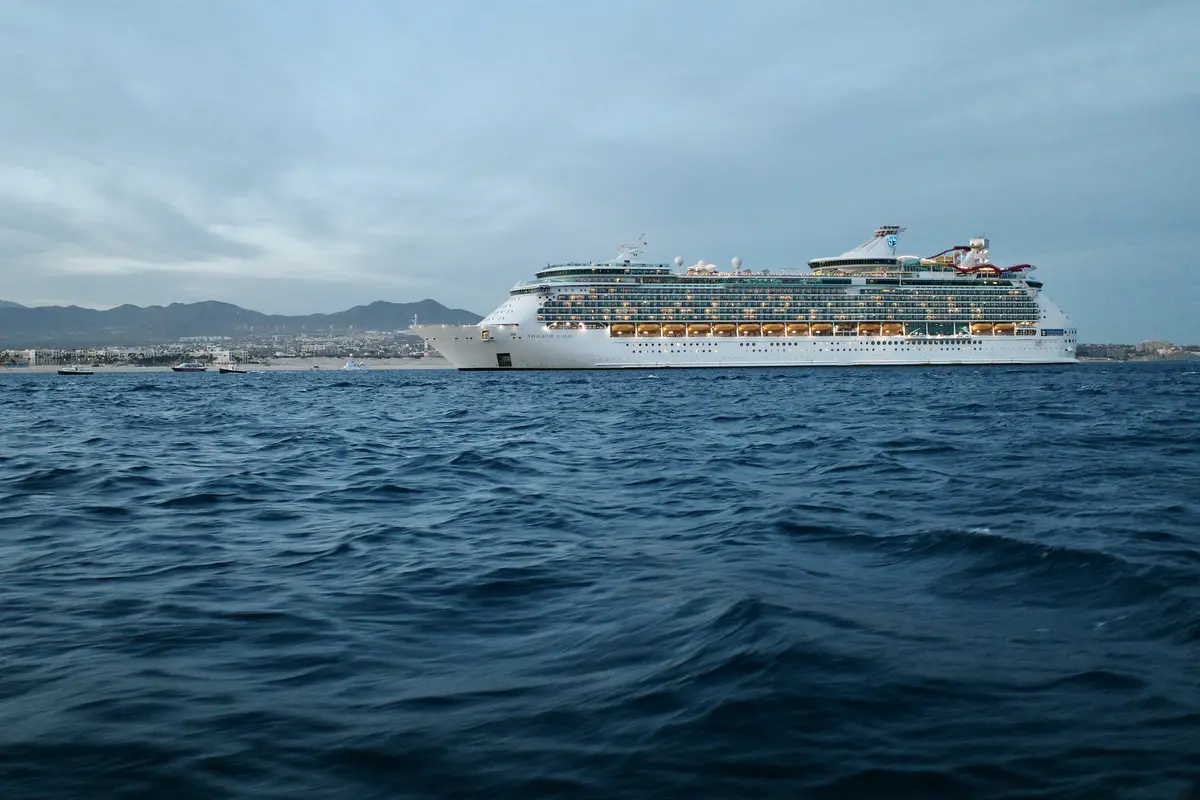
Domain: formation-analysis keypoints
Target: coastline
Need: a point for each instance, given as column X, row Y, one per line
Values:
column 276, row 365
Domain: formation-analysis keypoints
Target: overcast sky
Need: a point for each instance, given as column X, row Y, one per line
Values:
column 308, row 156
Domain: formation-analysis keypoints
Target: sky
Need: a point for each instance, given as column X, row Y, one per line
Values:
column 312, row 155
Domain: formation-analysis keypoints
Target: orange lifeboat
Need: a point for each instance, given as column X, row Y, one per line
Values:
column 981, row 328
column 1005, row 329
column 797, row 329
column 725, row 329
column 749, row 329
column 892, row 329
column 699, row 329
column 620, row 329
column 649, row 329
column 772, row 329
column 868, row 328
column 674, row 329
column 821, row 329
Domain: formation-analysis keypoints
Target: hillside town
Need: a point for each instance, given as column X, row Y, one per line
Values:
column 1150, row 350
column 224, row 349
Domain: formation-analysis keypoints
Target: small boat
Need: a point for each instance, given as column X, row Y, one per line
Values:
column 189, row 366
column 674, row 329
column 649, row 329
column 354, row 366
column 75, row 370
column 749, row 329
column 231, row 371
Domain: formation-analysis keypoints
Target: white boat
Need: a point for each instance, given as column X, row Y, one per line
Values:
column 74, row 369
column 868, row 306
column 354, row 366
column 189, row 366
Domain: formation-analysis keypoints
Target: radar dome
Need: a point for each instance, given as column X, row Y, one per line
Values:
column 679, row 261
column 737, row 263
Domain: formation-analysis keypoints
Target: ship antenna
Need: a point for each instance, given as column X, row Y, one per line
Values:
column 628, row 252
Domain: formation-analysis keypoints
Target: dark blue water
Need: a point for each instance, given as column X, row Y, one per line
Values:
column 865, row 583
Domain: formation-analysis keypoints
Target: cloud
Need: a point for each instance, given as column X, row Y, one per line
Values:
column 309, row 156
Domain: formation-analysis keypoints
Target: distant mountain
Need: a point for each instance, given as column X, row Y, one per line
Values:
column 10, row 304
column 72, row 326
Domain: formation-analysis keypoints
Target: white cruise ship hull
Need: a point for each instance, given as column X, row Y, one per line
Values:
column 506, row 348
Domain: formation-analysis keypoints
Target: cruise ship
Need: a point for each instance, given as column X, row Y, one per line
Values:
column 868, row 306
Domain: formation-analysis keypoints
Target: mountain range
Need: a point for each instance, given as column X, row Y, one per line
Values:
column 72, row 326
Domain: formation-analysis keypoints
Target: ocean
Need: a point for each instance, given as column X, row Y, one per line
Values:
column 843, row 583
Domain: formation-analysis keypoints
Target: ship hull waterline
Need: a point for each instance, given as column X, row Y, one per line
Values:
column 464, row 348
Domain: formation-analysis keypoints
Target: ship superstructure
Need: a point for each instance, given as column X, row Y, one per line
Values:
column 866, row 306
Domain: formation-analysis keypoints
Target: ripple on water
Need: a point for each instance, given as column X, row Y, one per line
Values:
column 868, row 583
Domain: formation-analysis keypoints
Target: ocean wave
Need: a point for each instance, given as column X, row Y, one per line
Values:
column 47, row 480
column 860, row 583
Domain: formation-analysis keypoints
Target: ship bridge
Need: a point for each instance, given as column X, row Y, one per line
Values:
column 581, row 270
column 626, row 263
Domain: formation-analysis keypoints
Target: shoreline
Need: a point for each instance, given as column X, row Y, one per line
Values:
column 276, row 365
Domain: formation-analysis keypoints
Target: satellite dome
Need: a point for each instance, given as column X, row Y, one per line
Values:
column 679, row 261
column 737, row 263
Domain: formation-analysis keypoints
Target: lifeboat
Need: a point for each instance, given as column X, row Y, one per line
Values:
column 725, row 329
column 892, row 329
column 797, row 329
column 868, row 328
column 649, row 329
column 749, row 329
column 981, row 328
column 674, row 329
column 620, row 329
column 821, row 329
column 698, row 329
column 772, row 329
column 1005, row 328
